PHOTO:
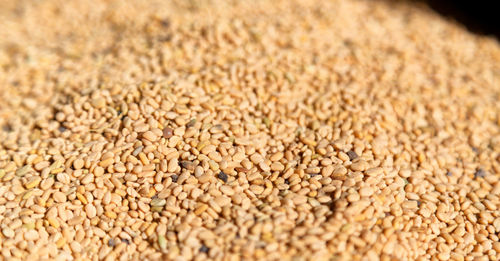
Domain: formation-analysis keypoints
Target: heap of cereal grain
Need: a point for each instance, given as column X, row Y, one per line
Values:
column 244, row 130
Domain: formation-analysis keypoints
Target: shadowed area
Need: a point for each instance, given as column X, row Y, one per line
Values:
column 477, row 16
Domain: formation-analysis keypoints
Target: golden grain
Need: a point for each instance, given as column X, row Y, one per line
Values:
column 272, row 130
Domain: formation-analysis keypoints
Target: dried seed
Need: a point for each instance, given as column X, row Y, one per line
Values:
column 59, row 197
column 168, row 132
column 374, row 172
column 23, row 171
column 149, row 135
column 352, row 155
column 239, row 169
column 480, row 173
column 124, row 149
column 162, row 242
column 8, row 232
column 188, row 165
column 157, row 202
column 222, row 176
column 204, row 249
column 33, row 182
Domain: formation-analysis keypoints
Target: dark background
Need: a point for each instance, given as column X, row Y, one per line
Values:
column 478, row 16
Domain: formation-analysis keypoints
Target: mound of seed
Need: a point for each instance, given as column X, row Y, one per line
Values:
column 246, row 130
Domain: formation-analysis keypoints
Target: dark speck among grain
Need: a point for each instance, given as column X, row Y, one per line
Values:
column 222, row 176
column 352, row 155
